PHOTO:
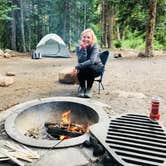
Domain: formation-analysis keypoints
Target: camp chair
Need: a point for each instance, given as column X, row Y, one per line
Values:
column 104, row 57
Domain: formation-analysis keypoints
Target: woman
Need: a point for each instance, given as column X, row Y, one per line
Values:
column 89, row 63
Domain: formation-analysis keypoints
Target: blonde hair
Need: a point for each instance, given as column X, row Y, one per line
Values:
column 94, row 39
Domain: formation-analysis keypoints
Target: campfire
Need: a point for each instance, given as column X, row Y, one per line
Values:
column 65, row 129
column 39, row 123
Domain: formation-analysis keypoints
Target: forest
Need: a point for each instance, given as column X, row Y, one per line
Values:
column 133, row 24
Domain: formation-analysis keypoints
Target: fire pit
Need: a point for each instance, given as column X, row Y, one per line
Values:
column 27, row 123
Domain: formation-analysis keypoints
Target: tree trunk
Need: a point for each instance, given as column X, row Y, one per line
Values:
column 13, row 37
column 110, row 26
column 22, row 26
column 118, row 33
column 103, row 23
column 65, row 21
column 85, row 11
column 150, row 28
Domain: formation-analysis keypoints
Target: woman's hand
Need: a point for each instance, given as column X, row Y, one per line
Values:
column 83, row 44
column 74, row 76
column 74, row 73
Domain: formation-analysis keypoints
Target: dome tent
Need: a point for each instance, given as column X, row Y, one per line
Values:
column 52, row 45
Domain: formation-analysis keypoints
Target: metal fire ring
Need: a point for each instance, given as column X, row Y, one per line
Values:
column 13, row 132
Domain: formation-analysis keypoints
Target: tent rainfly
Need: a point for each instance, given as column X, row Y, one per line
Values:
column 52, row 45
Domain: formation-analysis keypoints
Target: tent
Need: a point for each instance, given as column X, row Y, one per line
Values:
column 52, row 45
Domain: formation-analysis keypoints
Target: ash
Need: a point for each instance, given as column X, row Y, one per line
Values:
column 39, row 133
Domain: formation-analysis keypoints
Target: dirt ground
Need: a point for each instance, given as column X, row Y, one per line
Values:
column 130, row 82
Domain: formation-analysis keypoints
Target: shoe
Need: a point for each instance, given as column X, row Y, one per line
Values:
column 88, row 93
column 81, row 92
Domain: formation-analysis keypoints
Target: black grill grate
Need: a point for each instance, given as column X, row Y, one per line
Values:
column 133, row 140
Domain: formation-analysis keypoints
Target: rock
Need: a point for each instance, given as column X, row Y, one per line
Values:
column 10, row 74
column 11, row 52
column 7, row 51
column 117, row 55
column 65, row 76
column 1, row 53
column 6, row 81
column 141, row 54
column 7, row 55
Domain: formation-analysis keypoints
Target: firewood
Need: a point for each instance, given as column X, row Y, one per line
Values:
column 21, row 156
column 55, row 131
column 15, row 160
column 2, row 155
column 4, row 158
column 27, row 152
column 34, row 154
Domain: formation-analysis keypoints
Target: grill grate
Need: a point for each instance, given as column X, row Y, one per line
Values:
column 133, row 140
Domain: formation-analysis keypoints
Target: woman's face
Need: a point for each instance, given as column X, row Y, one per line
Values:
column 87, row 38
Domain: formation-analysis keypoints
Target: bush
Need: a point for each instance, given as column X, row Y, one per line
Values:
column 158, row 46
column 117, row 44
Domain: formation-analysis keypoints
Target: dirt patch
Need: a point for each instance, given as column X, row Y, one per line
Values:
column 129, row 82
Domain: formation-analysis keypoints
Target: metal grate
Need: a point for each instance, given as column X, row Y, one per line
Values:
column 133, row 140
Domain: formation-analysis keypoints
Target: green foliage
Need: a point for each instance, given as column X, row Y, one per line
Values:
column 133, row 40
column 131, row 17
column 137, row 41
column 134, row 43
column 5, row 8
column 158, row 46
column 68, row 18
column 117, row 44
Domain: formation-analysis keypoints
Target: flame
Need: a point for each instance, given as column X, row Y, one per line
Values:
column 71, row 126
column 65, row 119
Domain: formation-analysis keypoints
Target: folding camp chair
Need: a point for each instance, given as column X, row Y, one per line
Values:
column 104, row 57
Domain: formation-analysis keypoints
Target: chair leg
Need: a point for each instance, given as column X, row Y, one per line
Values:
column 99, row 88
column 102, row 85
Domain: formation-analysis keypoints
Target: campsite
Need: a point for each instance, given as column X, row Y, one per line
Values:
column 126, row 88
column 51, row 114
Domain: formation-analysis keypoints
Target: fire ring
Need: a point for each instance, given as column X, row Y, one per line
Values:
column 36, row 112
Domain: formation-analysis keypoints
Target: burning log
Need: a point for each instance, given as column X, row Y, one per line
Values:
column 61, row 129
column 65, row 129
column 55, row 131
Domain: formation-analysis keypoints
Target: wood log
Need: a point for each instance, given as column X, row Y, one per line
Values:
column 4, row 159
column 34, row 155
column 65, row 125
column 23, row 150
column 15, row 160
column 56, row 132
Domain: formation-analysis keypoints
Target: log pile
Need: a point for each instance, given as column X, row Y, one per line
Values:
column 16, row 153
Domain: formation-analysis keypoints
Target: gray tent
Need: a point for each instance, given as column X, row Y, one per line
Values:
column 52, row 45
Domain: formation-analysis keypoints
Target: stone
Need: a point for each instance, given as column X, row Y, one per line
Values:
column 7, row 55
column 10, row 74
column 12, row 53
column 141, row 54
column 6, row 81
column 1, row 53
column 65, row 76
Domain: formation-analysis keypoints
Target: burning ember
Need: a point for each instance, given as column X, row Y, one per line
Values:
column 66, row 129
